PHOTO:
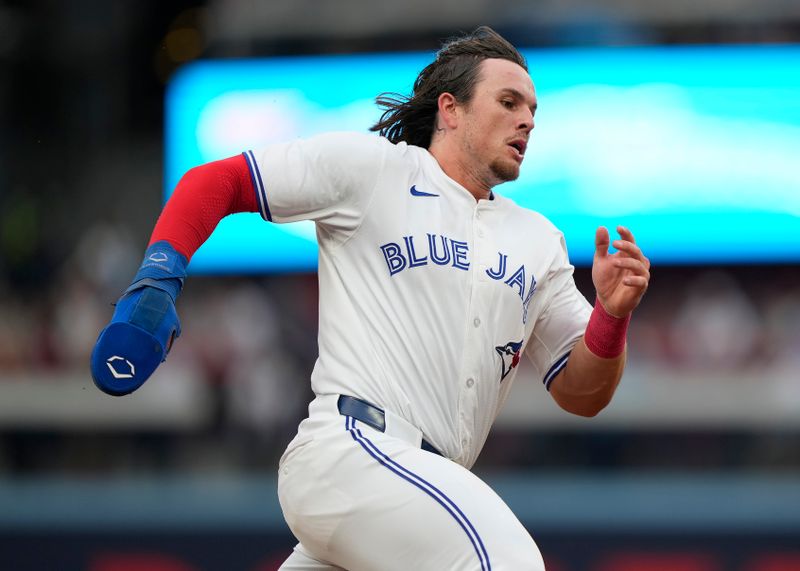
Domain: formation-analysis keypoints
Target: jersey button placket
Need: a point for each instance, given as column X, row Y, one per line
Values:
column 474, row 346
column 484, row 251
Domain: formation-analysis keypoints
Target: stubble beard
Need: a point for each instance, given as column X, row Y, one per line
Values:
column 503, row 171
column 499, row 171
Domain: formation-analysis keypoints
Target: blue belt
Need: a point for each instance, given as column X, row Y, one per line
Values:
column 372, row 416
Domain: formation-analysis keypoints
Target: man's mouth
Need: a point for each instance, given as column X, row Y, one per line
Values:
column 519, row 145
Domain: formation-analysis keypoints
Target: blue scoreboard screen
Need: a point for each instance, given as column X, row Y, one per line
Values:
column 696, row 149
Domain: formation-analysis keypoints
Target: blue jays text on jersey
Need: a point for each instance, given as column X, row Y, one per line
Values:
column 444, row 251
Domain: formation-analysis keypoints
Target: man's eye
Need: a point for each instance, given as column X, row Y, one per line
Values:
column 507, row 103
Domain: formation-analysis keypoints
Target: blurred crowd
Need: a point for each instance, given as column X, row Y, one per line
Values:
column 726, row 319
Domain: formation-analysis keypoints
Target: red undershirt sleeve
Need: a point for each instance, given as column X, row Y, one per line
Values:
column 203, row 197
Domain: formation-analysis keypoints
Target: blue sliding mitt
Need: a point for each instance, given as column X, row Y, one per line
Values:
column 144, row 324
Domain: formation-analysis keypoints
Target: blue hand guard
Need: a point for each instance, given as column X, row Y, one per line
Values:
column 144, row 324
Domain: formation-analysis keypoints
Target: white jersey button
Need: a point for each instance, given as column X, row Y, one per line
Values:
column 470, row 382
column 476, row 322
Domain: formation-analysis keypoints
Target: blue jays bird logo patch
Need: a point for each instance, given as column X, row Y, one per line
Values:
column 509, row 354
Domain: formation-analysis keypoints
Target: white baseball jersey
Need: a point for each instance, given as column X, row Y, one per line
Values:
column 427, row 296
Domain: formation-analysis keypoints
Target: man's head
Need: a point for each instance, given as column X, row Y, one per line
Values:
column 477, row 93
column 455, row 70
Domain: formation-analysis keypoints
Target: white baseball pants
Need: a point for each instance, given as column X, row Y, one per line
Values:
column 363, row 500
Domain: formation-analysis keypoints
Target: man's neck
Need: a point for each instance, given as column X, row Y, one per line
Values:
column 458, row 169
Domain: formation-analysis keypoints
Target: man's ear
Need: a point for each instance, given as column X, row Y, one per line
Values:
column 448, row 110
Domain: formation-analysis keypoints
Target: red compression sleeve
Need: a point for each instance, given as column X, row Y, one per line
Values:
column 203, row 197
column 605, row 335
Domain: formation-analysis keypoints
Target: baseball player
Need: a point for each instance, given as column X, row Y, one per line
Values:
column 432, row 286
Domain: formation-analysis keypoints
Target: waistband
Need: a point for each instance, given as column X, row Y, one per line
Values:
column 383, row 421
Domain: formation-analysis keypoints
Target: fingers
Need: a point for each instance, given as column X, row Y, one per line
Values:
column 637, row 267
column 601, row 241
column 636, row 281
column 634, row 260
column 628, row 246
column 632, row 257
column 625, row 234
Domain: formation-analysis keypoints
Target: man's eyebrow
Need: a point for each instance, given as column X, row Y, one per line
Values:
column 519, row 96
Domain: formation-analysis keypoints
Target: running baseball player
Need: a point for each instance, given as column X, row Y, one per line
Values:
column 432, row 286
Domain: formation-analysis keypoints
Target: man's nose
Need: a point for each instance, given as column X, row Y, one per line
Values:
column 526, row 122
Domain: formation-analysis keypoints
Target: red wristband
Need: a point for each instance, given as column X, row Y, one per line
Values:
column 605, row 335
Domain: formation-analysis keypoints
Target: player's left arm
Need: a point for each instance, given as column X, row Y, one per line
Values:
column 594, row 370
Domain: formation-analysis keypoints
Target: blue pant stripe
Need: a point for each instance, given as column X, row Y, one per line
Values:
column 426, row 487
column 437, row 491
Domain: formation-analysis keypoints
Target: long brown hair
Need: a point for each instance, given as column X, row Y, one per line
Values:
column 455, row 71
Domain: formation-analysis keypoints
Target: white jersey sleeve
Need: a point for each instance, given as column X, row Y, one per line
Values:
column 561, row 323
column 329, row 178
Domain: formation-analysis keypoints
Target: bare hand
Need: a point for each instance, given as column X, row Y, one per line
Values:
column 620, row 279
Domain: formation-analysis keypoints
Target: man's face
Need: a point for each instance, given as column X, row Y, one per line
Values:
column 498, row 120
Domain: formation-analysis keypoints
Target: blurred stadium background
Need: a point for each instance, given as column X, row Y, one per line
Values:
column 694, row 467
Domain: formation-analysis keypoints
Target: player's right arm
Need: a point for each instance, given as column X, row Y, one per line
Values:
column 145, row 322
column 328, row 178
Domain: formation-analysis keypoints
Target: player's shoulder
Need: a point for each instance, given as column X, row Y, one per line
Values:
column 345, row 139
column 354, row 146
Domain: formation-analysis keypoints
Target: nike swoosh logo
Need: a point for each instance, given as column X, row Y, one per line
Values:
column 415, row 192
